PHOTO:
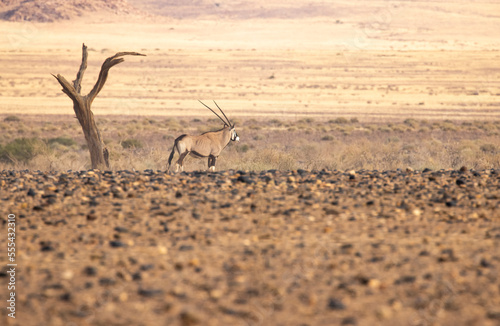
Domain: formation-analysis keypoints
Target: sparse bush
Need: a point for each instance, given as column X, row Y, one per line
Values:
column 410, row 122
column 242, row 148
column 327, row 138
column 339, row 120
column 132, row 143
column 173, row 124
column 254, row 127
column 399, row 128
column 488, row 148
column 267, row 159
column 21, row 150
column 306, row 120
column 12, row 118
column 167, row 137
column 276, row 122
column 65, row 141
column 354, row 120
column 448, row 126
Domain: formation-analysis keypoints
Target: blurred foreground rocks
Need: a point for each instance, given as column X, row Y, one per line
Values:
column 401, row 247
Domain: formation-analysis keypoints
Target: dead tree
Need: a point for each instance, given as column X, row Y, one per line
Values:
column 99, row 155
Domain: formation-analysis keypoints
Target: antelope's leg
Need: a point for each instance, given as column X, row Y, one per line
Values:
column 180, row 160
column 211, row 162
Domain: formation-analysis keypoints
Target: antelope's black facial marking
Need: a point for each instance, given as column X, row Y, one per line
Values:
column 234, row 135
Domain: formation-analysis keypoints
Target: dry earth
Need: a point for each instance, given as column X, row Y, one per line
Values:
column 373, row 60
column 269, row 248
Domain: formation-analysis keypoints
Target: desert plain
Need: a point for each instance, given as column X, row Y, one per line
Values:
column 364, row 190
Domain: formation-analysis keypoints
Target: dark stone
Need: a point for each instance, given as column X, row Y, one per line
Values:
column 105, row 281
column 150, row 292
column 46, row 246
column 447, row 255
column 245, row 179
column 335, row 304
column 349, row 321
column 146, row 267
column 31, row 192
column 117, row 244
column 185, row 248
column 90, row 271
column 484, row 263
column 493, row 315
column 51, row 200
column 196, row 215
column 65, row 297
column 301, row 172
column 121, row 229
column 405, row 279
column 451, row 203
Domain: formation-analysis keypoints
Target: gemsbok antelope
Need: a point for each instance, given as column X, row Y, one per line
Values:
column 209, row 144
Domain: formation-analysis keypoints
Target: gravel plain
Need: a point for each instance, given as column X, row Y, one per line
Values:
column 254, row 248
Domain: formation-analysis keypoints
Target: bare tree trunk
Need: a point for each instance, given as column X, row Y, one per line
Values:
column 99, row 155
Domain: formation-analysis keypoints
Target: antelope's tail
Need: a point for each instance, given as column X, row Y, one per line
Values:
column 171, row 155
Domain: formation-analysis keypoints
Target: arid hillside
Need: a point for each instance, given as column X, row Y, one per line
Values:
column 55, row 10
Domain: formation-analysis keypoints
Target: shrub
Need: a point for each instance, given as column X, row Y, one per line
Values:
column 276, row 122
column 488, row 148
column 339, row 120
column 65, row 141
column 21, row 149
column 12, row 118
column 131, row 143
column 242, row 148
column 327, row 138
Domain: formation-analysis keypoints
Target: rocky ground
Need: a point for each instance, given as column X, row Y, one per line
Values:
column 268, row 248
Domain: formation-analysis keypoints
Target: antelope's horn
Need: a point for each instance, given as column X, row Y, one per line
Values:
column 218, row 116
column 230, row 124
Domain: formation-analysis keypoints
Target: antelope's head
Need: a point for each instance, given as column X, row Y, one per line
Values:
column 227, row 122
column 234, row 135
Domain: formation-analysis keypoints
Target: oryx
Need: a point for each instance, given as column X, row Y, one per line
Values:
column 209, row 144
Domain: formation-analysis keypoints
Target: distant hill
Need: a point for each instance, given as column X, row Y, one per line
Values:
column 244, row 9
column 54, row 10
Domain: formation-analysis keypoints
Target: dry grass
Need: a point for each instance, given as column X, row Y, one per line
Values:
column 342, row 144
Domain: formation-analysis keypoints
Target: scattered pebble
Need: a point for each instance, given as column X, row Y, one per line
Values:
column 298, row 247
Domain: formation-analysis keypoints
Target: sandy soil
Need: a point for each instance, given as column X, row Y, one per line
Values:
column 268, row 248
column 371, row 62
column 369, row 85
